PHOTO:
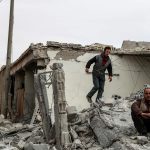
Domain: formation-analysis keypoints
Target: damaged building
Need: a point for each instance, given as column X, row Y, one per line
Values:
column 22, row 94
column 130, row 73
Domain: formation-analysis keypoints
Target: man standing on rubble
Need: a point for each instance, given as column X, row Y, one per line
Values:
column 101, row 63
column 140, row 112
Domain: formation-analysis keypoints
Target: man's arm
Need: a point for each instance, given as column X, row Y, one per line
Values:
column 109, row 69
column 136, row 107
column 145, row 115
column 91, row 61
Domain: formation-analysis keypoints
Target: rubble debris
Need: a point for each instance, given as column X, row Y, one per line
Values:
column 116, row 97
column 105, row 135
column 97, row 129
column 5, row 147
column 139, row 94
column 109, row 127
column 142, row 140
column 31, row 146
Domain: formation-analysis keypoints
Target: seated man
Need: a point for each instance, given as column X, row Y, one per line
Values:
column 140, row 111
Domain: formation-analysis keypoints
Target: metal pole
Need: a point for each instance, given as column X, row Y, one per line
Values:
column 8, row 59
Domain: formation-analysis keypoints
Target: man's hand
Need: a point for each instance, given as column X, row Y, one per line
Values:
column 110, row 78
column 145, row 115
column 87, row 70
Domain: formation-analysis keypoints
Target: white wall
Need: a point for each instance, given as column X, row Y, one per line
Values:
column 133, row 75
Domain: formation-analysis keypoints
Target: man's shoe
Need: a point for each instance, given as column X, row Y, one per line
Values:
column 99, row 102
column 89, row 99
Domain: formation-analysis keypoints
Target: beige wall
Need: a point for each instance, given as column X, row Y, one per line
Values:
column 133, row 73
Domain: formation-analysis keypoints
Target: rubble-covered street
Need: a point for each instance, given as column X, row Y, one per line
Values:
column 108, row 127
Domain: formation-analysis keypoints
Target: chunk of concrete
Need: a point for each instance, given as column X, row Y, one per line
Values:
column 105, row 136
column 71, row 112
column 142, row 140
column 31, row 146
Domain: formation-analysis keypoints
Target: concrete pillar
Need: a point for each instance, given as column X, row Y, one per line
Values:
column 61, row 123
column 29, row 95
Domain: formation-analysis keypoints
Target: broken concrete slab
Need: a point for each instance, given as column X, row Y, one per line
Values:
column 142, row 140
column 31, row 146
column 105, row 136
column 5, row 147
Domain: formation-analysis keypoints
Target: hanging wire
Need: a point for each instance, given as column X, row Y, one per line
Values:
column 137, row 79
column 122, row 68
column 115, row 59
column 131, row 71
column 142, row 66
column 129, row 66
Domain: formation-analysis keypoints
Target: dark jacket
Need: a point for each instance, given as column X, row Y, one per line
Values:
column 140, row 104
column 99, row 68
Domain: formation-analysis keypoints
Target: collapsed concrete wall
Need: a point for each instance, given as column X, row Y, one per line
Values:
column 133, row 45
column 131, row 72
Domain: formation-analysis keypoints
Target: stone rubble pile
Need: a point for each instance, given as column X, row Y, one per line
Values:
column 109, row 127
column 71, row 46
column 137, row 95
column 16, row 136
column 135, row 45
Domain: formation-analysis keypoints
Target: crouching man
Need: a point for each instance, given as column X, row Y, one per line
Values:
column 140, row 112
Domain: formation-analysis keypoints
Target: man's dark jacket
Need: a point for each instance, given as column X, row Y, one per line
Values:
column 100, row 67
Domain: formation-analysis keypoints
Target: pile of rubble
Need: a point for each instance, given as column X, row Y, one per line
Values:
column 16, row 136
column 97, row 128
column 133, row 45
column 107, row 127
column 71, row 46
column 139, row 94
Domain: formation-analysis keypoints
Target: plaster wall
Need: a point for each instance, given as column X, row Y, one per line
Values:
column 133, row 73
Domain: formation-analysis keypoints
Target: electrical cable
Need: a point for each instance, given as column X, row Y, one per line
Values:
column 130, row 72
column 142, row 66
column 121, row 67
column 116, row 59
column 136, row 82
column 116, row 66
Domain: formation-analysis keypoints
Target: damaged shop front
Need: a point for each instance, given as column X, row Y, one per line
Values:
column 21, row 101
